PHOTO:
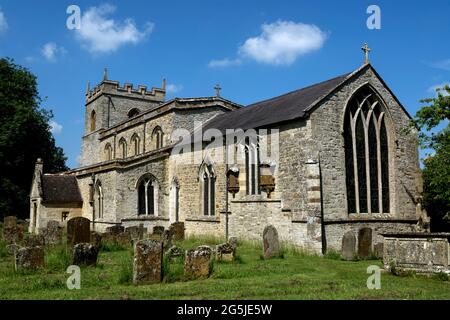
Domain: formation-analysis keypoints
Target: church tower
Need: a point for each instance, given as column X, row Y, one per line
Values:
column 109, row 104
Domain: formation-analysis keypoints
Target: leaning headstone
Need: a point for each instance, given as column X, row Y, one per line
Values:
column 378, row 250
column 53, row 233
column 197, row 262
column 365, row 242
column 233, row 241
column 158, row 230
column 225, row 252
column 348, row 251
column 78, row 230
column 175, row 252
column 148, row 262
column 270, row 241
column 29, row 258
column 85, row 254
column 167, row 239
column 117, row 229
column 176, row 230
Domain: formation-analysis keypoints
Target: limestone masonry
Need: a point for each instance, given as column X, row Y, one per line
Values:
column 343, row 164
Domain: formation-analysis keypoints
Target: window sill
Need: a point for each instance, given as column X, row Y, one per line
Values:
column 146, row 218
column 213, row 219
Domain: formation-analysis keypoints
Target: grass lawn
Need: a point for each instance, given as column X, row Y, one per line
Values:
column 294, row 276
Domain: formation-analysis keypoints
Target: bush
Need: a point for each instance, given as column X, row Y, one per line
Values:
column 442, row 276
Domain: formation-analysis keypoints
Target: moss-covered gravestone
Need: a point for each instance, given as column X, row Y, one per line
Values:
column 148, row 262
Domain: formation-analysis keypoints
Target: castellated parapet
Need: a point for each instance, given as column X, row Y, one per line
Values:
column 127, row 90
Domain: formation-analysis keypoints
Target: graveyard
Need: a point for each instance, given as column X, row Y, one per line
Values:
column 167, row 265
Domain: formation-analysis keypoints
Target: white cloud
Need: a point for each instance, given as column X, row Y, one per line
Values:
column 50, row 51
column 3, row 23
column 174, row 88
column 100, row 34
column 433, row 89
column 282, row 42
column 55, row 127
column 224, row 63
column 444, row 64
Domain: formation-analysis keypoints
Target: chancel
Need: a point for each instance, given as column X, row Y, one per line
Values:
column 344, row 166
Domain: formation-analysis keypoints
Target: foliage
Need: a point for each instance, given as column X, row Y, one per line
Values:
column 24, row 136
column 436, row 173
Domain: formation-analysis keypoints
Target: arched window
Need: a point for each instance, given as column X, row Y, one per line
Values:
column 208, row 187
column 366, row 154
column 98, row 200
column 123, row 148
column 147, row 196
column 158, row 137
column 133, row 112
column 92, row 121
column 252, row 166
column 135, row 144
column 108, row 152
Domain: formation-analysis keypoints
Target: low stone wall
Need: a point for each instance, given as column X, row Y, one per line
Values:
column 423, row 252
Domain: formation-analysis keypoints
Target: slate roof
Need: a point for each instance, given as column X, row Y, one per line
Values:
column 60, row 189
column 289, row 106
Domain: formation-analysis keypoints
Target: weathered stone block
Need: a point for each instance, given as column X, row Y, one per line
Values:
column 34, row 240
column 378, row 250
column 349, row 246
column 365, row 243
column 117, row 229
column 85, row 254
column 225, row 252
column 148, row 260
column 271, row 245
column 29, row 258
column 53, row 233
column 197, row 262
column 78, row 231
column 176, row 229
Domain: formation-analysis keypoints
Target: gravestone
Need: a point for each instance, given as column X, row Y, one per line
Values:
column 166, row 238
column 9, row 221
column 225, row 252
column 378, row 250
column 12, row 234
column 148, row 262
column 85, row 254
column 175, row 252
column 197, row 262
column 29, row 258
column 34, row 240
column 365, row 243
column 117, row 229
column 53, row 233
column 349, row 246
column 176, row 230
column 136, row 232
column 158, row 230
column 96, row 239
column 123, row 239
column 271, row 245
column 233, row 241
column 78, row 230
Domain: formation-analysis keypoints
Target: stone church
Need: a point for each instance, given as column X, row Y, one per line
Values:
column 343, row 163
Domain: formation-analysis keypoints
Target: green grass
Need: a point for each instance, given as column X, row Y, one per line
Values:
column 296, row 275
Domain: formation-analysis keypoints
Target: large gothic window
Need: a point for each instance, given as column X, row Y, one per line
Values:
column 147, row 196
column 252, row 166
column 366, row 154
column 208, row 187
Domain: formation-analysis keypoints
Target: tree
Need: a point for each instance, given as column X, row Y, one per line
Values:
column 436, row 173
column 24, row 136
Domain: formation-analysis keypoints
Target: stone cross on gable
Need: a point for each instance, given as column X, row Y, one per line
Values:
column 218, row 88
column 366, row 50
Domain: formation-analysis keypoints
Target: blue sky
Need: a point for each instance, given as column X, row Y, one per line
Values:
column 253, row 49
